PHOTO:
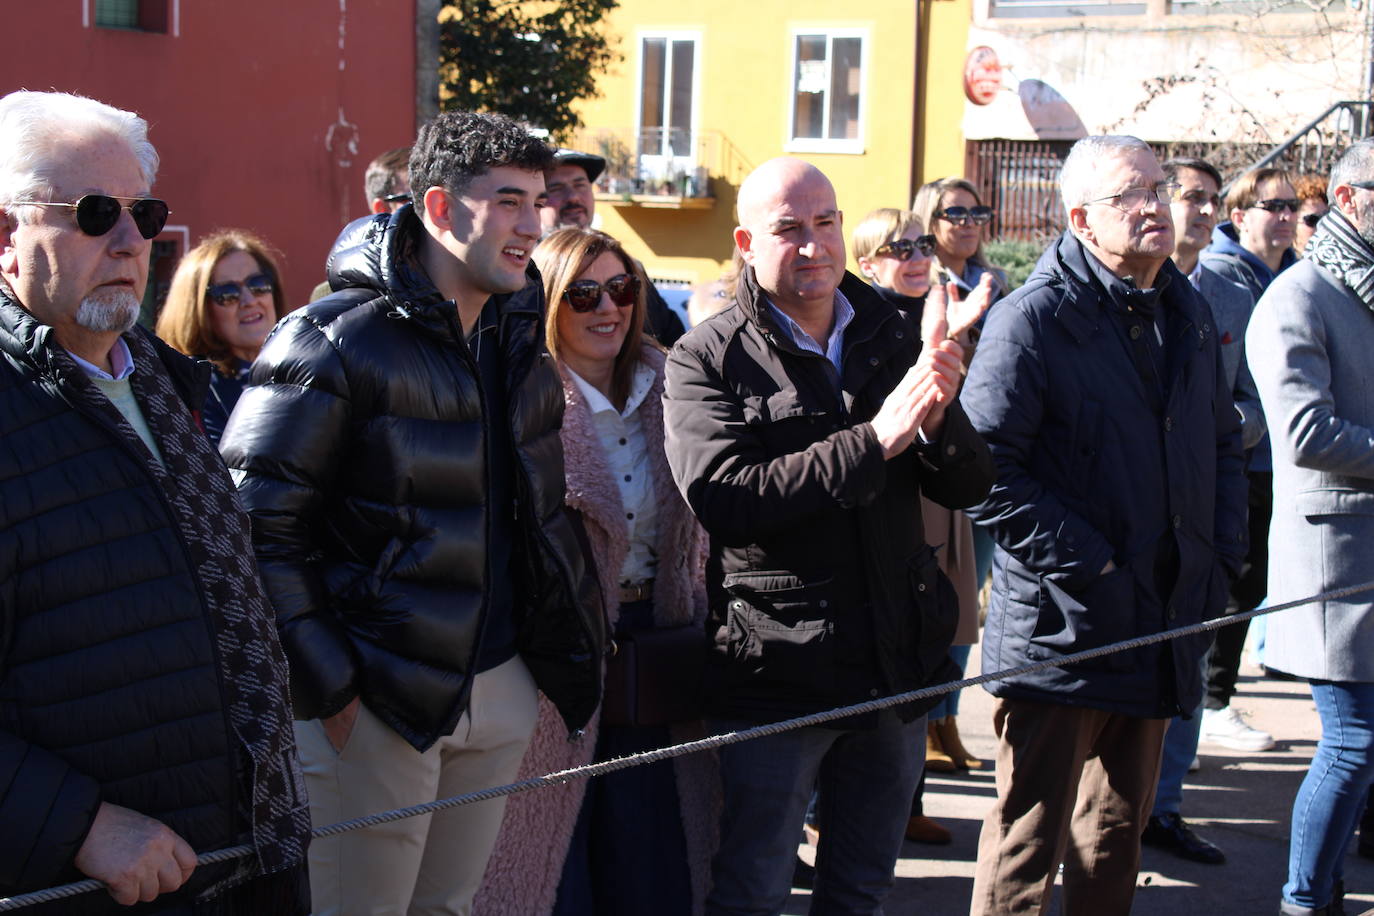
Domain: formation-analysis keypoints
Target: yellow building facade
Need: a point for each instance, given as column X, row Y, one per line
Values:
column 708, row 89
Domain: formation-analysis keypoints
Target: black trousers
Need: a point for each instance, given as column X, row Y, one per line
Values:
column 1223, row 659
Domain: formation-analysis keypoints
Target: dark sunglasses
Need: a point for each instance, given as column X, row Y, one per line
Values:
column 1310, row 220
column 965, row 216
column 229, row 295
column 96, row 214
column 903, row 249
column 1278, row 204
column 585, row 295
column 403, row 198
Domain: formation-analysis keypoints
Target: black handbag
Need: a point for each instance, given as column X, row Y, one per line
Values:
column 655, row 677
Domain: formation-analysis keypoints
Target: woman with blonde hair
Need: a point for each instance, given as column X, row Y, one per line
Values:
column 639, row 840
column 896, row 256
column 952, row 212
column 225, row 297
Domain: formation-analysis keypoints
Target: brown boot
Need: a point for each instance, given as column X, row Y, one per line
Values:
column 937, row 761
column 948, row 731
column 921, row 829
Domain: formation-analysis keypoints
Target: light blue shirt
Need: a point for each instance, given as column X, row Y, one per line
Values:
column 121, row 361
column 834, row 346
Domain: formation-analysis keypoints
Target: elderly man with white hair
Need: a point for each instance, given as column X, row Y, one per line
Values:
column 1119, row 511
column 143, row 694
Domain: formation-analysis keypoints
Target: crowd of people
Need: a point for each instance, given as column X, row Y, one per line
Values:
column 485, row 509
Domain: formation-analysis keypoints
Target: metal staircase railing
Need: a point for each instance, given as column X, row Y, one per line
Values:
column 1314, row 148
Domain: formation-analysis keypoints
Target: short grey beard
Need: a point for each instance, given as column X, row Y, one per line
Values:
column 113, row 311
column 1364, row 219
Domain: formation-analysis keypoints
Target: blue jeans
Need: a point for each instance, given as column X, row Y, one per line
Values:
column 949, row 703
column 865, row 779
column 1329, row 800
column 1180, row 747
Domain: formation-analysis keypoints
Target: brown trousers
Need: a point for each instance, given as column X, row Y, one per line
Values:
column 1074, row 785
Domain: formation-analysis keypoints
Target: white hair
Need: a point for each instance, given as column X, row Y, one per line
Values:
column 34, row 124
column 1355, row 164
column 1078, row 179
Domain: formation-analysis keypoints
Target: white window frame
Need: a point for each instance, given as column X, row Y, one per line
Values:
column 671, row 35
column 795, row 144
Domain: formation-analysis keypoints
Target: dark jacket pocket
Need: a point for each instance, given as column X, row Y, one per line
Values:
column 1102, row 613
column 935, row 619
column 779, row 631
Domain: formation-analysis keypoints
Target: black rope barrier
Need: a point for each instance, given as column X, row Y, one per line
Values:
column 587, row 771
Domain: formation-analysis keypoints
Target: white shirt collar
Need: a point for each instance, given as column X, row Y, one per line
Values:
column 598, row 403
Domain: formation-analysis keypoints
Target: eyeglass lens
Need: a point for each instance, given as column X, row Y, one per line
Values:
column 585, row 295
column 903, row 249
column 1279, row 204
column 96, row 214
column 230, row 295
column 1198, row 198
column 1138, row 198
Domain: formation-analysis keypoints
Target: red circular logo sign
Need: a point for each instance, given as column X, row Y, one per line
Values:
column 982, row 75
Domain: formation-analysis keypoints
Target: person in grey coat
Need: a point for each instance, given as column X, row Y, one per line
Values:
column 1308, row 345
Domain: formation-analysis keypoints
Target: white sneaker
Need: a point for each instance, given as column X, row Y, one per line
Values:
column 1225, row 727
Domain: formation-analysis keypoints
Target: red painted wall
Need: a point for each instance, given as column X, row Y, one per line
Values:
column 265, row 112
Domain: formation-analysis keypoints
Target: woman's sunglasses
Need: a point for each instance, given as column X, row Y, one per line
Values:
column 229, row 295
column 965, row 216
column 585, row 295
column 1310, row 220
column 96, row 214
column 903, row 249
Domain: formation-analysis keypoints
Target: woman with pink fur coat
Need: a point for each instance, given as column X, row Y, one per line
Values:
column 638, row 840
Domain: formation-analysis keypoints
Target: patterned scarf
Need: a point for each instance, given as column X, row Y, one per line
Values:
column 252, row 666
column 1338, row 247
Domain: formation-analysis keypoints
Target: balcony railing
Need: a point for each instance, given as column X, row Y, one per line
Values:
column 662, row 167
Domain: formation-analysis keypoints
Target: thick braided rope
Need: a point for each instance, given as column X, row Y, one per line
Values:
column 714, row 741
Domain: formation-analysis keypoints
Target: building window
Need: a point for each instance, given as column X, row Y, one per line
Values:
column 667, row 111
column 139, row 15
column 827, row 92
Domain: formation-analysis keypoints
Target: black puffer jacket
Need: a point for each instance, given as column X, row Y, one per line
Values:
column 359, row 451
column 822, row 589
column 109, row 686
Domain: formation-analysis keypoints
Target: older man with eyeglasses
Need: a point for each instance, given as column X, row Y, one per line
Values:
column 1119, row 511
column 143, row 693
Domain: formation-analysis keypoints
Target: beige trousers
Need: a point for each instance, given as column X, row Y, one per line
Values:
column 421, row 866
column 1074, row 785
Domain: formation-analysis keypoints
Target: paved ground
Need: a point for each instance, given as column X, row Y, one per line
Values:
column 1242, row 802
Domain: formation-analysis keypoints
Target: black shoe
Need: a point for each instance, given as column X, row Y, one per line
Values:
column 1171, row 832
column 803, row 875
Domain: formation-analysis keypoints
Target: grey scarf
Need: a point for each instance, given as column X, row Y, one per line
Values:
column 1338, row 247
